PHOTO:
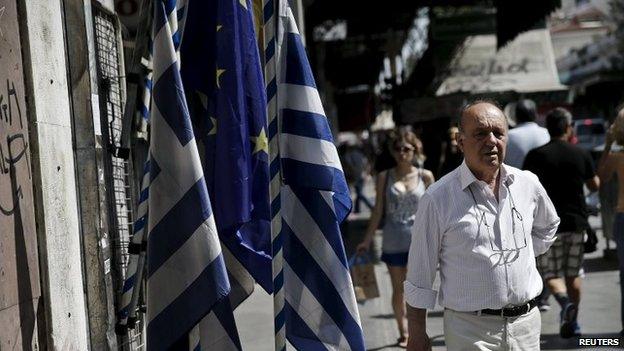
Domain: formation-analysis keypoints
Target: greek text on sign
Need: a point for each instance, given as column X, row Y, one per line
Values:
column 527, row 64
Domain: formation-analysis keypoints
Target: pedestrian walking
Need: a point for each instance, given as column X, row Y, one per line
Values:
column 483, row 224
column 399, row 190
column 526, row 136
column 357, row 168
column 563, row 169
column 612, row 164
column 451, row 156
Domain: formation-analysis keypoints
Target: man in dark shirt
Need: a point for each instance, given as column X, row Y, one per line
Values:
column 563, row 169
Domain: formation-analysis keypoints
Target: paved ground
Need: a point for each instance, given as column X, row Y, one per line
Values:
column 599, row 312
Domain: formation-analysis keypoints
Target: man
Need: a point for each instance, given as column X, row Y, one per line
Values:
column 563, row 169
column 483, row 224
column 526, row 136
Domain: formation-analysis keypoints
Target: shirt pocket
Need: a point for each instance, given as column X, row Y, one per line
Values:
column 469, row 233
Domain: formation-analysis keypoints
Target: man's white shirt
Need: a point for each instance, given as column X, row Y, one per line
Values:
column 449, row 230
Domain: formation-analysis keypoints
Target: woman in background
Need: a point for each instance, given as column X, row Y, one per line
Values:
column 399, row 190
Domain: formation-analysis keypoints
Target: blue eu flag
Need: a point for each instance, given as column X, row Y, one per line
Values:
column 223, row 81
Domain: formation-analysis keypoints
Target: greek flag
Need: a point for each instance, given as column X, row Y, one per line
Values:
column 320, row 309
column 186, row 274
column 177, row 26
column 146, row 96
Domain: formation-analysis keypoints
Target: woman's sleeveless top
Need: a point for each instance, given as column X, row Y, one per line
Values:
column 400, row 212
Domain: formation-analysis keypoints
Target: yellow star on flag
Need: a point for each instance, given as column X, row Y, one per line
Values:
column 261, row 141
column 213, row 129
column 219, row 73
column 219, row 27
column 244, row 3
column 203, row 99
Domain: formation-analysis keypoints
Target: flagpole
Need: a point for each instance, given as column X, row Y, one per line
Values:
column 270, row 8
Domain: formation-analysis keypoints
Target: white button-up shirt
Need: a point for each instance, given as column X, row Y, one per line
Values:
column 464, row 235
column 522, row 139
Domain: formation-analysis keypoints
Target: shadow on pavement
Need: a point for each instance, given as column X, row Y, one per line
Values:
column 555, row 342
column 436, row 341
column 395, row 345
column 599, row 264
column 389, row 346
column 383, row 316
column 382, row 347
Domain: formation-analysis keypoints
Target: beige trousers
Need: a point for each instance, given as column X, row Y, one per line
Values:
column 464, row 331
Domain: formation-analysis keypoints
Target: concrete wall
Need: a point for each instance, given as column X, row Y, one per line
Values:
column 43, row 45
column 90, row 175
column 20, row 292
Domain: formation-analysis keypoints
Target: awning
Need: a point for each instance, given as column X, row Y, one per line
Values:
column 527, row 64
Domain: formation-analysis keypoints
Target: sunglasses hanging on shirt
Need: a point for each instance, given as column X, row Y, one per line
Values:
column 515, row 216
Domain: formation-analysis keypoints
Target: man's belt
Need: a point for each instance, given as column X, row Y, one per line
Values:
column 513, row 311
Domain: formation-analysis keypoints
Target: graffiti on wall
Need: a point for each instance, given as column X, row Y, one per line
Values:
column 13, row 149
column 19, row 269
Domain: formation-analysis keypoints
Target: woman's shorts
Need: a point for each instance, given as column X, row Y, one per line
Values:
column 395, row 259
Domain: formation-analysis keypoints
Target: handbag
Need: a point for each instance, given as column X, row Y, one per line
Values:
column 590, row 241
column 363, row 277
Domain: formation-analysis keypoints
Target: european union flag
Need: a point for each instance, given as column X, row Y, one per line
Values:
column 223, row 81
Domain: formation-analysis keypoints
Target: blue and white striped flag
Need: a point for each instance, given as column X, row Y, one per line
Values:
column 177, row 28
column 186, row 275
column 320, row 309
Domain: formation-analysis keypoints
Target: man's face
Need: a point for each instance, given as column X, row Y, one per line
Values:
column 483, row 139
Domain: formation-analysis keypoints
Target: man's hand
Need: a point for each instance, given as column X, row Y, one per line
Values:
column 419, row 342
column 363, row 247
